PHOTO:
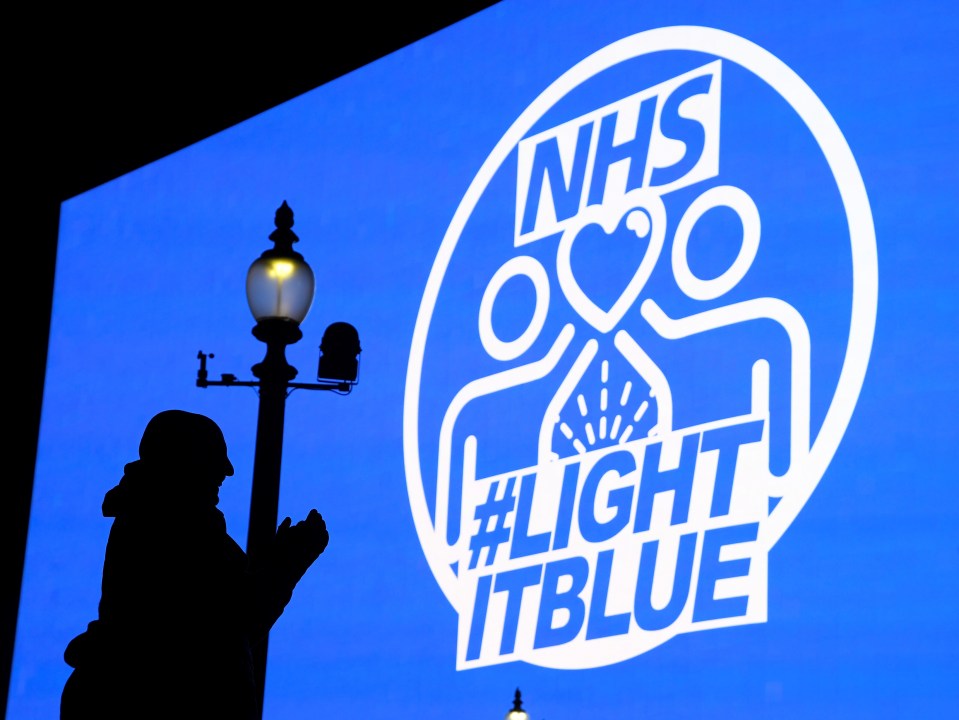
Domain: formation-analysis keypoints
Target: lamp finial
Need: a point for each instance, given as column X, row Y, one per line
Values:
column 283, row 236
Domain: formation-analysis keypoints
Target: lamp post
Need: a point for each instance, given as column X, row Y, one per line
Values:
column 279, row 289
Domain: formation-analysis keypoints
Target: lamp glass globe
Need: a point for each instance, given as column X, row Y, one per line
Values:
column 280, row 286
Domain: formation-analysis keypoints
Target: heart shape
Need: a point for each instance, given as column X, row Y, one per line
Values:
column 640, row 213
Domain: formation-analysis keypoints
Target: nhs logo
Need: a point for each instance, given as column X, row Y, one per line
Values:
column 638, row 349
column 663, row 137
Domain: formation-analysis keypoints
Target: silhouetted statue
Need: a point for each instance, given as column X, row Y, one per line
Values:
column 181, row 607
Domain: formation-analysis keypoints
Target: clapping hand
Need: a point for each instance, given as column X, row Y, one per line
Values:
column 298, row 546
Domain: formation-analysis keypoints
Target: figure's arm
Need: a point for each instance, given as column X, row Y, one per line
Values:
column 757, row 309
column 447, row 518
column 295, row 548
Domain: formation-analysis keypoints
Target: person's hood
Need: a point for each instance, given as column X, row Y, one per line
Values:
column 191, row 438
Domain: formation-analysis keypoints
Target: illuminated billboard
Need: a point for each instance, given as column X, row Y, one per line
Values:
column 655, row 397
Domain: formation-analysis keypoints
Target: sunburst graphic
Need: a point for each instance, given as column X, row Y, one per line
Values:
column 604, row 413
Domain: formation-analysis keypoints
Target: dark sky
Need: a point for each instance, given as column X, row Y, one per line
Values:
column 98, row 95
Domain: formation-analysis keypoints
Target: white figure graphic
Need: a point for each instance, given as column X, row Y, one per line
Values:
column 766, row 308
column 451, row 516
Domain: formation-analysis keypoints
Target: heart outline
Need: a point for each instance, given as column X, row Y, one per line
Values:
column 608, row 217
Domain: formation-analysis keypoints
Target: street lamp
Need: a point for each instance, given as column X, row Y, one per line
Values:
column 279, row 289
column 517, row 712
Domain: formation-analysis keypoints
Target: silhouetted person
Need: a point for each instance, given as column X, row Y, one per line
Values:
column 181, row 607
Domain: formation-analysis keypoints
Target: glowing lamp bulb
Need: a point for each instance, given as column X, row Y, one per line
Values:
column 280, row 269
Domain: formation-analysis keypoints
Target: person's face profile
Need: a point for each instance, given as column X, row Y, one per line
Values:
column 208, row 485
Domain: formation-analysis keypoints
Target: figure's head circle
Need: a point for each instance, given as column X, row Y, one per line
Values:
column 744, row 207
column 522, row 265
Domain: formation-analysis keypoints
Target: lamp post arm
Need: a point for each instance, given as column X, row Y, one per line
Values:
column 226, row 379
column 341, row 387
column 334, row 385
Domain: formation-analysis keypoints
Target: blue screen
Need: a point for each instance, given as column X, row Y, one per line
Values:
column 656, row 402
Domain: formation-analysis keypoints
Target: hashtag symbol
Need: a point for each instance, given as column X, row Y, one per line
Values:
column 492, row 518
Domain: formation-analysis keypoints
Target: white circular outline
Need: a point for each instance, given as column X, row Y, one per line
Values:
column 862, row 237
column 726, row 196
column 510, row 350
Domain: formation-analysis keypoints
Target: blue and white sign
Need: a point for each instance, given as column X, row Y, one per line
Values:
column 656, row 404
column 597, row 491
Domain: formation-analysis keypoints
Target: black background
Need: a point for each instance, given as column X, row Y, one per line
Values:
column 98, row 95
